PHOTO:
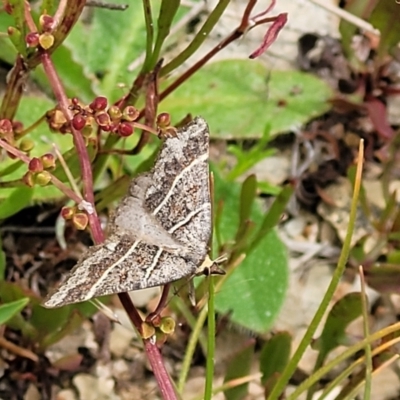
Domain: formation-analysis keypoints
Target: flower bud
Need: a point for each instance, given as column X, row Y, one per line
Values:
column 28, row 179
column 148, row 330
column 163, row 120
column 32, row 39
column 42, row 178
column 125, row 129
column 130, row 113
column 98, row 104
column 6, row 127
column 46, row 22
column 26, row 145
column 103, row 119
column 46, row 40
column 80, row 220
column 49, row 161
column 78, row 122
column 115, row 112
column 67, row 213
column 167, row 325
column 35, row 165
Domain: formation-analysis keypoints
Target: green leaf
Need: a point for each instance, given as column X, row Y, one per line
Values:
column 247, row 159
column 384, row 277
column 239, row 98
column 109, row 44
column 383, row 18
column 76, row 80
column 239, row 367
column 275, row 355
column 19, row 198
column 346, row 310
column 2, row 262
column 9, row 310
column 255, row 290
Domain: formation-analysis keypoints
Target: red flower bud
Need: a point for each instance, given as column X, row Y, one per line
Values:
column 98, row 104
column 78, row 122
column 32, row 39
column 125, row 129
column 35, row 165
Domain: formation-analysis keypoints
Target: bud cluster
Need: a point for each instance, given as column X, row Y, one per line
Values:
column 79, row 218
column 11, row 131
column 87, row 116
column 44, row 37
column 38, row 170
column 109, row 119
column 161, row 327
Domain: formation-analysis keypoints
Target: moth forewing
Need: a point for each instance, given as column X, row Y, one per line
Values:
column 160, row 231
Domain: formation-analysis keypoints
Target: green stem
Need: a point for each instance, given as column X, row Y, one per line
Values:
column 198, row 40
column 341, row 358
column 149, row 35
column 211, row 341
column 194, row 338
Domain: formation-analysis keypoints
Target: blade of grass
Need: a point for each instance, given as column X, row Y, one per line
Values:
column 211, row 341
column 368, row 353
column 312, row 379
column 291, row 367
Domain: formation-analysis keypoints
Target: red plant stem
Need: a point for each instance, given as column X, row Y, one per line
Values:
column 130, row 309
column 163, row 379
column 79, row 143
column 154, row 356
column 234, row 35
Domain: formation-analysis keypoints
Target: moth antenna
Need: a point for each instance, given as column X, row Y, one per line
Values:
column 105, row 310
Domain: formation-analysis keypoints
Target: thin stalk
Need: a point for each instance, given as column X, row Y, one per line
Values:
column 55, row 181
column 163, row 379
column 291, row 367
column 149, row 36
column 315, row 377
column 211, row 341
column 360, row 361
column 79, row 143
column 368, row 353
column 194, row 337
column 199, row 39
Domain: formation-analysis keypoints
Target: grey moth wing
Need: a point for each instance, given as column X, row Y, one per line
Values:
column 159, row 232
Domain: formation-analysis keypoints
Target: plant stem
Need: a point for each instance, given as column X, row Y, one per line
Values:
column 163, row 379
column 79, row 143
column 211, row 341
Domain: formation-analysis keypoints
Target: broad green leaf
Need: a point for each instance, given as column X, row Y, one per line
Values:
column 254, row 292
column 239, row 367
column 238, row 98
column 19, row 198
column 275, row 355
column 111, row 42
column 9, row 310
column 345, row 310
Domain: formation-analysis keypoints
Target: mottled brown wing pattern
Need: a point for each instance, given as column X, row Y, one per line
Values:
column 164, row 239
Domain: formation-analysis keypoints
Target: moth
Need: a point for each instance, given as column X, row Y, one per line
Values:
column 159, row 232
